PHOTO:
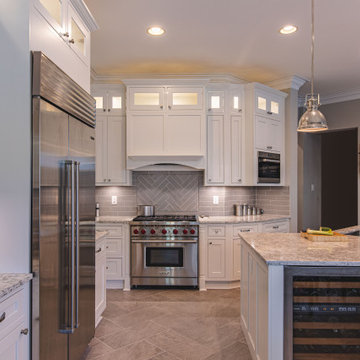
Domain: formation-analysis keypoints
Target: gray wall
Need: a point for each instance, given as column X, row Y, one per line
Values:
column 15, row 136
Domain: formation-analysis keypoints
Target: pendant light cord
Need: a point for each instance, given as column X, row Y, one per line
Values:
column 312, row 47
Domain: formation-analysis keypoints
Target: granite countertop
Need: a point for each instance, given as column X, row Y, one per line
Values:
column 10, row 282
column 100, row 234
column 348, row 229
column 241, row 219
column 114, row 219
column 292, row 249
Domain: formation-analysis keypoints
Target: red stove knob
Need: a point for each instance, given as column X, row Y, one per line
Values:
column 185, row 231
column 136, row 231
column 192, row 231
column 143, row 231
column 152, row 231
column 164, row 231
column 175, row 231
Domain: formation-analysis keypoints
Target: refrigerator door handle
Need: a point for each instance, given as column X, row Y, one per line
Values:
column 77, row 244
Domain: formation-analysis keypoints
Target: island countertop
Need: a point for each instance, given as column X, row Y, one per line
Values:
column 292, row 249
column 9, row 282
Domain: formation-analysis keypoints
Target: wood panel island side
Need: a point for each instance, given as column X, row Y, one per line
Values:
column 300, row 300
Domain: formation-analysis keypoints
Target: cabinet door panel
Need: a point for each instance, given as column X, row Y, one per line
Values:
column 101, row 156
column 237, row 258
column 244, row 286
column 215, row 101
column 185, row 98
column 274, row 135
column 261, row 135
column 183, row 135
column 215, row 159
column 116, row 149
column 145, row 134
column 236, row 149
column 114, row 269
column 146, row 98
column 216, row 259
column 100, row 285
column 54, row 13
column 14, row 345
column 252, row 300
column 115, row 102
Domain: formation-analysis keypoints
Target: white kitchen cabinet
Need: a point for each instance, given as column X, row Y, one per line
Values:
column 165, row 124
column 215, row 161
column 225, row 135
column 278, row 226
column 236, row 250
column 110, row 100
column 264, row 129
column 110, row 151
column 100, row 280
column 61, row 30
column 117, row 245
column 216, row 258
column 268, row 134
column 14, row 328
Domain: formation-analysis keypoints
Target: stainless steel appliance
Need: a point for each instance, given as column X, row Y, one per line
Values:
column 164, row 251
column 268, row 168
column 63, row 214
column 146, row 210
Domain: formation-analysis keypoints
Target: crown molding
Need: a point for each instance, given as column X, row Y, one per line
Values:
column 340, row 96
column 85, row 14
column 133, row 78
column 290, row 82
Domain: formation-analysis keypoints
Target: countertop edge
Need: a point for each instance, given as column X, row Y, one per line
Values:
column 15, row 280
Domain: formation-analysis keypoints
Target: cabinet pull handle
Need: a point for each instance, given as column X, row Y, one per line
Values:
column 209, row 109
column 269, row 147
column 2, row 317
column 98, row 250
column 276, row 227
column 24, row 331
column 72, row 41
column 269, row 112
column 239, row 110
column 104, row 110
column 161, row 107
column 209, row 179
column 104, row 180
column 210, row 243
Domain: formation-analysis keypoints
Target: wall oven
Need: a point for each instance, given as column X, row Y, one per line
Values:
column 164, row 253
column 268, row 168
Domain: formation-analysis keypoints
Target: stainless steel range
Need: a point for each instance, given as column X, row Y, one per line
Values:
column 164, row 250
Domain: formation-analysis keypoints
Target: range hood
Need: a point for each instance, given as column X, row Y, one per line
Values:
column 166, row 163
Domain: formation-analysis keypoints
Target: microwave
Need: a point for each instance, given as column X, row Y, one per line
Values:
column 268, row 168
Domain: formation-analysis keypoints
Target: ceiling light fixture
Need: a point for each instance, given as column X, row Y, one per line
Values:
column 155, row 31
column 288, row 29
column 312, row 120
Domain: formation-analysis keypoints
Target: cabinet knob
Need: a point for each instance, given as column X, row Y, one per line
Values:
column 209, row 109
column 210, row 243
column 2, row 317
column 269, row 112
column 104, row 110
column 269, row 147
column 239, row 110
column 107, row 268
column 239, row 180
column 161, row 107
column 24, row 331
column 109, row 110
column 209, row 179
column 169, row 106
column 104, row 180
column 65, row 34
column 107, row 247
column 72, row 41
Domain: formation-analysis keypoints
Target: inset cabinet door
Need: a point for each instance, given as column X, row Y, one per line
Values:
column 268, row 134
column 101, row 153
column 236, row 101
column 215, row 156
column 268, row 104
column 100, row 285
column 184, row 98
column 54, row 12
column 14, row 346
column 236, row 124
column 79, row 36
column 215, row 101
column 147, row 98
column 216, row 258
column 237, row 258
column 115, row 102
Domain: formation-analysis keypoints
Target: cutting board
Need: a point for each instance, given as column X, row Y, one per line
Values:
column 334, row 238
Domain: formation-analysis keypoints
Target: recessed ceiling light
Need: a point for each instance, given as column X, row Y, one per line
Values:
column 288, row 29
column 155, row 30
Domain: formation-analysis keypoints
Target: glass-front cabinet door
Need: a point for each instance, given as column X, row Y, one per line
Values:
column 115, row 102
column 236, row 100
column 185, row 98
column 267, row 104
column 78, row 35
column 101, row 101
column 215, row 101
column 54, row 13
column 146, row 98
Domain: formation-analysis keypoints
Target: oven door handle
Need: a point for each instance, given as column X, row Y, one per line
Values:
column 163, row 241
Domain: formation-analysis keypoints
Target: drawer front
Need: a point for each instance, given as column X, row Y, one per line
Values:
column 245, row 229
column 280, row 227
column 114, row 247
column 216, row 231
column 115, row 231
column 114, row 269
column 11, row 310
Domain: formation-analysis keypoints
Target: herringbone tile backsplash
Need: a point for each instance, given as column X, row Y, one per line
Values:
column 184, row 193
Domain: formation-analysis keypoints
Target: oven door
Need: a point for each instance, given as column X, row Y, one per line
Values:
column 159, row 258
column 268, row 171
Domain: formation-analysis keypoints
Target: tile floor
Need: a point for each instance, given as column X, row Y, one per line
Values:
column 170, row 325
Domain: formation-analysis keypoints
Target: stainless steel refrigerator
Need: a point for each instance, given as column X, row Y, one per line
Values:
column 63, row 214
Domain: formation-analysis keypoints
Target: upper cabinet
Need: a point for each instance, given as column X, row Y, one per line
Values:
column 268, row 104
column 61, row 30
column 165, row 124
column 109, row 100
column 225, row 144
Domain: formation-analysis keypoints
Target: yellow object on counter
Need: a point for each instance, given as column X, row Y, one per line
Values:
column 322, row 231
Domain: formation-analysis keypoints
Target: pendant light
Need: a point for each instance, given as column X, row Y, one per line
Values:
column 312, row 120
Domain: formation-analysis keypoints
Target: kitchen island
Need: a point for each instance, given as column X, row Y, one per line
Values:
column 291, row 288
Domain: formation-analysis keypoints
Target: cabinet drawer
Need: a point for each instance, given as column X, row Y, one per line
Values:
column 114, row 269
column 115, row 232
column 280, row 227
column 245, row 229
column 114, row 247
column 216, row 231
column 11, row 310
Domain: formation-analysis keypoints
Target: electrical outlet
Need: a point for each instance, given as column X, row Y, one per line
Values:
column 114, row 199
column 216, row 200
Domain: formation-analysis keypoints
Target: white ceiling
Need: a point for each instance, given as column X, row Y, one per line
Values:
column 237, row 37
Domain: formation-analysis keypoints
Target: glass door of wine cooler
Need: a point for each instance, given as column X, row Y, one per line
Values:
column 322, row 313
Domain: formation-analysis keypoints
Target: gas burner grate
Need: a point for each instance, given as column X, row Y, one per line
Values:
column 166, row 218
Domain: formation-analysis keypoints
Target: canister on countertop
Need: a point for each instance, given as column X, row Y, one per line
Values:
column 245, row 209
column 238, row 211
column 249, row 210
column 259, row 211
column 253, row 210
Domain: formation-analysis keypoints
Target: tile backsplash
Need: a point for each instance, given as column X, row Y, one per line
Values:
column 184, row 193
